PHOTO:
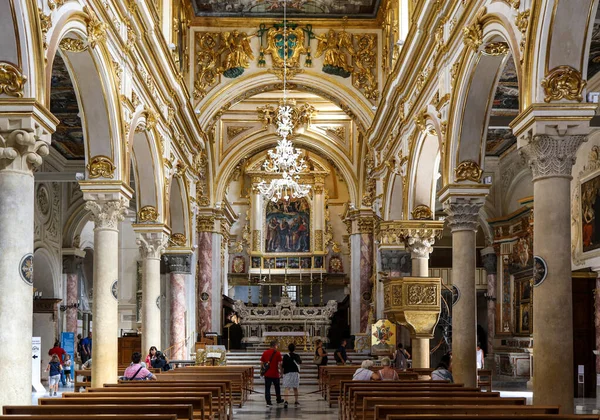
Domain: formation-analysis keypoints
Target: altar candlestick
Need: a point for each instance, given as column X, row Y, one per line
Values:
column 270, row 296
column 311, row 288
column 249, row 288
column 321, row 288
column 300, row 300
column 260, row 279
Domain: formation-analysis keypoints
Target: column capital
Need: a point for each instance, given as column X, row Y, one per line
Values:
column 490, row 260
column 177, row 263
column 108, row 201
column 418, row 236
column 462, row 204
column 551, row 156
column 25, row 134
column 359, row 221
column 152, row 239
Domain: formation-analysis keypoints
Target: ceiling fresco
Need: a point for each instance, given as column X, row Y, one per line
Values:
column 594, row 59
column 498, row 141
column 68, row 138
column 506, row 99
column 295, row 8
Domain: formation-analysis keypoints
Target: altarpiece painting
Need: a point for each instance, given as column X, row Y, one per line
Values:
column 590, row 213
column 288, row 226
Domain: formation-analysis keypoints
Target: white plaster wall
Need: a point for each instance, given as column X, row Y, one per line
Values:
column 128, row 257
column 43, row 326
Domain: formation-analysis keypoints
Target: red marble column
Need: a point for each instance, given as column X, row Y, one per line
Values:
column 366, row 272
column 178, row 266
column 597, row 320
column 204, row 282
column 490, row 262
column 71, row 313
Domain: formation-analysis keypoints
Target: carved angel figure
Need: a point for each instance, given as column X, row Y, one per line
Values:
column 239, row 53
column 332, row 46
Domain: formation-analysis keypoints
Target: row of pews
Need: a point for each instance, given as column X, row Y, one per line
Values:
column 191, row 393
column 416, row 399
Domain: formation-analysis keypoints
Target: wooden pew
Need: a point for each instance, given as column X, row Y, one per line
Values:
column 83, row 377
column 382, row 411
column 92, row 417
column 198, row 404
column 180, row 411
column 246, row 371
column 239, row 391
column 484, row 379
column 498, row 417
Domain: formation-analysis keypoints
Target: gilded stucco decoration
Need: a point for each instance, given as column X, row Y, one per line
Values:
column 72, row 45
column 422, row 295
column 12, row 81
column 496, row 48
column 53, row 4
column 302, row 115
column 236, row 130
column 319, row 240
column 202, row 187
column 468, row 171
column 473, row 34
column 207, row 61
column 294, row 40
column 364, row 75
column 422, row 212
column 101, row 167
column 522, row 23
column 96, row 30
column 205, row 223
column 563, row 82
column 178, row 239
column 147, row 214
column 256, row 240
column 45, row 25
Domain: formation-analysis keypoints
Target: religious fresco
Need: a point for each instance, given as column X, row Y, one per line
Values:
column 383, row 338
column 295, row 8
column 498, row 141
column 68, row 138
column 594, row 59
column 288, row 226
column 590, row 213
column 506, row 98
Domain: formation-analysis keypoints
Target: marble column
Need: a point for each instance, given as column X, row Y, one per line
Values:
column 178, row 267
column 108, row 208
column 550, row 159
column 365, row 227
column 490, row 263
column 462, row 220
column 597, row 325
column 204, row 284
column 21, row 150
column 71, row 267
column 360, row 226
column 152, row 240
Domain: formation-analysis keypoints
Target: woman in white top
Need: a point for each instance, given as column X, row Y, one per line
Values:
column 480, row 356
column 364, row 372
column 387, row 372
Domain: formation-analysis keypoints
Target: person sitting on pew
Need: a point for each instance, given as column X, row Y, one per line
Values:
column 442, row 372
column 136, row 371
column 87, row 365
column 364, row 372
column 387, row 373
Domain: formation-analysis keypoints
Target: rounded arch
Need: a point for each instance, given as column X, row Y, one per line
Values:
column 178, row 210
column 394, row 200
column 423, row 172
column 46, row 275
column 91, row 72
column 473, row 96
column 73, row 227
column 263, row 141
column 147, row 164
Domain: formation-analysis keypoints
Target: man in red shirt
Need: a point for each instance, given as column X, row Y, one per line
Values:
column 273, row 357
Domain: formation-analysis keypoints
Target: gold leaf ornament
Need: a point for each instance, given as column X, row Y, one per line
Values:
column 147, row 214
column 496, row 49
column 473, row 34
column 563, row 82
column 73, row 45
column 101, row 167
column 178, row 239
column 96, row 30
column 12, row 81
column 468, row 171
column 422, row 212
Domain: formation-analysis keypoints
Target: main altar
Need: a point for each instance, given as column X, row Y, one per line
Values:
column 285, row 322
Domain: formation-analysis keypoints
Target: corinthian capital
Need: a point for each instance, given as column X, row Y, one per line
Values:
column 21, row 150
column 417, row 235
column 108, row 214
column 152, row 240
column 462, row 213
column 551, row 156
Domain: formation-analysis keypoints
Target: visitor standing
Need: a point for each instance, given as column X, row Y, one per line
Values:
column 340, row 355
column 480, row 356
column 151, row 355
column 291, row 374
column 270, row 368
column 401, row 357
column 60, row 353
column 387, row 373
column 67, row 368
column 86, row 346
column 54, row 369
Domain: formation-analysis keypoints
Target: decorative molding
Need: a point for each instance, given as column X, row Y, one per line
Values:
column 496, row 48
column 422, row 212
column 96, row 30
column 417, row 236
column 108, row 214
column 101, row 167
column 178, row 239
column 365, row 225
column 205, row 223
column 12, row 81
column 152, row 244
column 73, row 45
column 256, row 240
column 563, row 82
column 21, row 150
column 234, row 131
column 551, row 156
column 178, row 263
column 318, row 240
column 468, row 171
column 473, row 34
column 147, row 214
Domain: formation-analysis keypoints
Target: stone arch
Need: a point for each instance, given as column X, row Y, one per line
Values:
column 423, row 170
column 74, row 225
column 263, row 141
column 46, row 273
column 147, row 164
column 90, row 68
column 394, row 200
column 481, row 64
column 522, row 182
column 21, row 52
column 179, row 219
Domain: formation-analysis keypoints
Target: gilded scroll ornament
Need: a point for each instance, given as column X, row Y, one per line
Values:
column 365, row 225
column 302, row 115
column 101, row 167
column 147, row 214
column 318, row 240
column 473, row 34
column 334, row 47
column 422, row 295
column 522, row 23
column 563, row 82
column 364, row 75
column 96, row 30
column 293, row 41
column 422, row 212
column 205, row 223
column 73, row 45
column 202, row 188
column 468, row 171
column 45, row 25
column 207, row 59
column 256, row 240
column 234, row 131
column 12, row 81
column 496, row 48
column 178, row 239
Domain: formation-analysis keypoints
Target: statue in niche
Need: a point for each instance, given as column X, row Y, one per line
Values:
column 333, row 45
column 239, row 53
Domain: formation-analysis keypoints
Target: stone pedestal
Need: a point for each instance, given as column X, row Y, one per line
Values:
column 108, row 202
column 152, row 240
column 463, row 211
column 24, row 141
column 178, row 267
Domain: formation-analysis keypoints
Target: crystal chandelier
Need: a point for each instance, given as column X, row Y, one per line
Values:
column 285, row 159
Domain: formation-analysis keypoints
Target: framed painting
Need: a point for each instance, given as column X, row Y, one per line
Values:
column 305, row 262
column 288, row 226
column 383, row 338
column 590, row 213
column 525, row 321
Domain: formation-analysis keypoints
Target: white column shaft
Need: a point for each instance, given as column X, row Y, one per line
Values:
column 151, row 323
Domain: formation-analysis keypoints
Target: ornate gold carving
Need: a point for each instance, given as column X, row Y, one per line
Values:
column 178, row 239
column 205, row 223
column 12, row 81
column 563, row 82
column 468, row 171
column 368, row 197
column 45, row 25
column 234, row 131
column 522, row 23
column 454, row 72
column 96, row 30
column 514, row 3
column 422, row 212
column 73, row 45
column 338, row 131
column 318, row 240
column 53, row 4
column 101, row 167
column 473, row 34
column 496, row 48
column 301, row 114
column 365, row 225
column 364, row 74
column 256, row 240
column 147, row 214
column 422, row 295
column 274, row 35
